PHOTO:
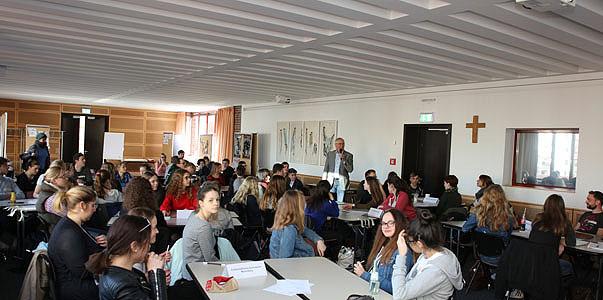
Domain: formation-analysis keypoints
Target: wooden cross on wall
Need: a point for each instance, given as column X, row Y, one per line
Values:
column 474, row 127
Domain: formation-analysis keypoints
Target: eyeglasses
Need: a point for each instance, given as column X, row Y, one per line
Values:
column 148, row 224
column 388, row 223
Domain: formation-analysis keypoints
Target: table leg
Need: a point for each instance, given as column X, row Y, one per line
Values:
column 458, row 242
column 450, row 230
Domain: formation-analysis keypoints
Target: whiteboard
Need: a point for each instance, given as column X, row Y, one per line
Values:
column 113, row 146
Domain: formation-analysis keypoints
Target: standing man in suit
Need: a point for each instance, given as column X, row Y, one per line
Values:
column 338, row 166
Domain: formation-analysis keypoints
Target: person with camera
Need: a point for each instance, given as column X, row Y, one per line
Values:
column 338, row 166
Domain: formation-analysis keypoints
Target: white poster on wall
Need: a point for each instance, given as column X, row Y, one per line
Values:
column 296, row 145
column 328, row 134
column 282, row 141
column 311, row 142
column 113, row 146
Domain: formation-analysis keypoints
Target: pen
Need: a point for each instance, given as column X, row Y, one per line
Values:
column 213, row 263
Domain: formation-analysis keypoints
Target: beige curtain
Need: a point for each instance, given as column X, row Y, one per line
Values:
column 225, row 132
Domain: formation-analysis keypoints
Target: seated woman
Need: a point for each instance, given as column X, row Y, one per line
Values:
column 246, row 202
column 180, row 194
column 550, row 225
column 437, row 272
column 216, row 175
column 289, row 231
column 150, row 215
column 157, row 191
column 451, row 197
column 384, row 251
column 276, row 189
column 492, row 216
column 123, row 176
column 319, row 206
column 375, row 191
column 55, row 180
column 263, row 180
column 70, row 246
column 106, row 194
column 398, row 198
column 138, row 194
column 198, row 240
column 128, row 244
column 482, row 182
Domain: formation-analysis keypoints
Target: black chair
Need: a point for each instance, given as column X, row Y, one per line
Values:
column 350, row 196
column 485, row 245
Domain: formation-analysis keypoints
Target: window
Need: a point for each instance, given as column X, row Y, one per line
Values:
column 197, row 124
column 546, row 157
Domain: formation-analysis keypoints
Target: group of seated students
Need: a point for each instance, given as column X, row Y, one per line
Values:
column 407, row 252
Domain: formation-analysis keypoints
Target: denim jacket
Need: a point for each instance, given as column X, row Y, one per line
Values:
column 386, row 270
column 287, row 242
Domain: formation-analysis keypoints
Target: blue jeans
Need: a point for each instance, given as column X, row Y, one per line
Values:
column 339, row 188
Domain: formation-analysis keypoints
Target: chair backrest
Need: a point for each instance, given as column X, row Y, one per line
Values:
column 177, row 262
column 350, row 196
column 455, row 214
column 39, row 278
column 226, row 250
column 488, row 244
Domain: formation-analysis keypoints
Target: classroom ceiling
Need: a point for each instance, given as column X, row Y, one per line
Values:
column 190, row 55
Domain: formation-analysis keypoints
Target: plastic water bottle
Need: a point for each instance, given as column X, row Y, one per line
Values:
column 374, row 283
column 522, row 221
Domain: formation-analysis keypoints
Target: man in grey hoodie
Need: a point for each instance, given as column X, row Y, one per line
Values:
column 437, row 272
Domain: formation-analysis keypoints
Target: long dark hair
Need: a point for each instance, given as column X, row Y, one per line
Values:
column 319, row 195
column 175, row 187
column 553, row 218
column 486, row 180
column 387, row 243
column 399, row 184
column 375, row 190
column 100, row 180
column 122, row 233
column 276, row 189
column 427, row 229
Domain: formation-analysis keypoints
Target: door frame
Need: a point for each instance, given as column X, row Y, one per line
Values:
column 63, row 114
column 428, row 126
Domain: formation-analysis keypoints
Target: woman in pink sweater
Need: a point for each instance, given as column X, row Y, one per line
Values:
column 398, row 198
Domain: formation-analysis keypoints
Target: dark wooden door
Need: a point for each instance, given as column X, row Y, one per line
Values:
column 70, row 126
column 426, row 150
column 93, row 143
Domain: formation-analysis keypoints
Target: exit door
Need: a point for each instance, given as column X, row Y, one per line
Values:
column 85, row 134
column 426, row 151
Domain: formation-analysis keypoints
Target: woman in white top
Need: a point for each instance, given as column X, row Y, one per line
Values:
column 106, row 194
column 437, row 272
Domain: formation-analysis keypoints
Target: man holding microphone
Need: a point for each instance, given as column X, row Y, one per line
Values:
column 338, row 166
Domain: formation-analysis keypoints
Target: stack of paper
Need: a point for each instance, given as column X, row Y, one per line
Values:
column 290, row 287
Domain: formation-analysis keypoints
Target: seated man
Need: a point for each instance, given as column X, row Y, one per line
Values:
column 293, row 183
column 7, row 185
column 81, row 174
column 27, row 180
column 591, row 222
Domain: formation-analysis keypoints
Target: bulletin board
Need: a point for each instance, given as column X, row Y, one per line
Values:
column 30, row 134
column 167, row 144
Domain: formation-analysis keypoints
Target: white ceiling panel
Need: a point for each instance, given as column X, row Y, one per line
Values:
column 185, row 54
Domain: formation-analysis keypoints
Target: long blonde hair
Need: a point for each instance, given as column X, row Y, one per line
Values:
column 73, row 197
column 276, row 189
column 248, row 187
column 493, row 210
column 290, row 210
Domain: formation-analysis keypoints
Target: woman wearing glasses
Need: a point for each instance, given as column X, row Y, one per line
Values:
column 70, row 245
column 128, row 244
column 437, row 272
column 385, row 250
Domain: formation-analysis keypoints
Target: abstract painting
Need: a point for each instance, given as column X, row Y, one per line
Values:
column 328, row 133
column 282, row 141
column 296, row 143
column 311, row 142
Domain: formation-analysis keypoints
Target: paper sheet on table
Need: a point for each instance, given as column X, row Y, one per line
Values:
column 183, row 213
column 290, row 287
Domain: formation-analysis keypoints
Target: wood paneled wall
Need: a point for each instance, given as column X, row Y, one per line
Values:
column 143, row 129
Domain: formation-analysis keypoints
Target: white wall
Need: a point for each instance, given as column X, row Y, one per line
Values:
column 372, row 126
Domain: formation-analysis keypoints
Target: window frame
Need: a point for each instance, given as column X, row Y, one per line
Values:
column 517, row 131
